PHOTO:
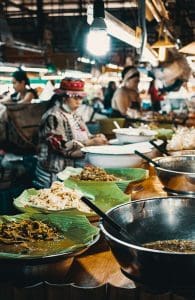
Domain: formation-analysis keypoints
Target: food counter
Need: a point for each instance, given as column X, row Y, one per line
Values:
column 95, row 274
column 166, row 121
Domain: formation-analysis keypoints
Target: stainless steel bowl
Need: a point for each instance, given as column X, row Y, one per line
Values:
column 177, row 174
column 147, row 221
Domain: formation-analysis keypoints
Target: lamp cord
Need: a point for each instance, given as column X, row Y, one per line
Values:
column 142, row 24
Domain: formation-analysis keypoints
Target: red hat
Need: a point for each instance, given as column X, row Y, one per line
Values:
column 71, row 87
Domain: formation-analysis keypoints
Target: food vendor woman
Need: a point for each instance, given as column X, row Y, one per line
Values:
column 63, row 133
column 127, row 96
column 23, row 92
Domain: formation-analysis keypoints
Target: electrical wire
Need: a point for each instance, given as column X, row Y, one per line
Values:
column 142, row 25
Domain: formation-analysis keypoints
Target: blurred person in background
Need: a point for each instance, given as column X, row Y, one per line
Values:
column 23, row 92
column 109, row 94
column 63, row 133
column 156, row 96
column 127, row 96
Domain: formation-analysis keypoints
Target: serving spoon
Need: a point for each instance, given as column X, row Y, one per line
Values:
column 122, row 231
column 116, row 124
column 147, row 158
column 159, row 148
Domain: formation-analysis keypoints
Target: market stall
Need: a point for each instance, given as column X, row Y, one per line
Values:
column 95, row 274
column 131, row 154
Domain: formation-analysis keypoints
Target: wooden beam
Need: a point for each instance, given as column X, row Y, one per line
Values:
column 20, row 6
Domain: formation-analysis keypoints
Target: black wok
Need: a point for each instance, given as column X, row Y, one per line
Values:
column 152, row 220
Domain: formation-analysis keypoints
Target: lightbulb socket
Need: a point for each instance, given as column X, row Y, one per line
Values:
column 98, row 9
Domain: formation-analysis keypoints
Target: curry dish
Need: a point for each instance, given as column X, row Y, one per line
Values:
column 184, row 246
column 31, row 237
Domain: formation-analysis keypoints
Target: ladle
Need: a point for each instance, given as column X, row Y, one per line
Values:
column 159, row 148
column 147, row 158
column 122, row 231
column 116, row 124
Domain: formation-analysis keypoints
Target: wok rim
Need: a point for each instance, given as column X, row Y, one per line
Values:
column 136, row 247
column 157, row 159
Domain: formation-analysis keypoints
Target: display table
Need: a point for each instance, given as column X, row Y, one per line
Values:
column 96, row 274
column 162, row 120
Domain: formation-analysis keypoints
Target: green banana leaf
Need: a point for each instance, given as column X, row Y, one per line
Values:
column 164, row 133
column 77, row 230
column 126, row 175
column 104, row 194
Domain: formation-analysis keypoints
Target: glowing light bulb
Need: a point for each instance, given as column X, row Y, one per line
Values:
column 98, row 42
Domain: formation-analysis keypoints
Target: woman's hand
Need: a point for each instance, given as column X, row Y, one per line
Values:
column 98, row 139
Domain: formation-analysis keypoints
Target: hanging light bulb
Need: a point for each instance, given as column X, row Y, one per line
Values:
column 98, row 42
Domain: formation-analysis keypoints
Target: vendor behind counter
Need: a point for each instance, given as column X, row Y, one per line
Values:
column 23, row 91
column 127, row 96
column 63, row 133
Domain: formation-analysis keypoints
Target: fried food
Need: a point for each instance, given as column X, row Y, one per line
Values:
column 92, row 173
column 26, row 231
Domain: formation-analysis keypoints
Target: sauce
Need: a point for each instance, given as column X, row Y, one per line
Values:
column 38, row 248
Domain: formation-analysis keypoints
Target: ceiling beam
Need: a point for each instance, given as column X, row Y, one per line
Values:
column 77, row 5
column 125, row 33
column 20, row 6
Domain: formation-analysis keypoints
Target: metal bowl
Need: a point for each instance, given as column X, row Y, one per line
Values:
column 177, row 174
column 152, row 220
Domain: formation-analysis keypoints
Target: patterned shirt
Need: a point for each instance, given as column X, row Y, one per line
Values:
column 59, row 144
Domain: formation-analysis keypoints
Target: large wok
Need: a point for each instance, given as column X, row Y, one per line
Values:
column 151, row 220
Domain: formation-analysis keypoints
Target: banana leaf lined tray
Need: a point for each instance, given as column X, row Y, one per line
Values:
column 104, row 194
column 126, row 175
column 76, row 235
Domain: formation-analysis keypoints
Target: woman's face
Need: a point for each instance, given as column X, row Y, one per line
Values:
column 18, row 86
column 132, row 83
column 74, row 102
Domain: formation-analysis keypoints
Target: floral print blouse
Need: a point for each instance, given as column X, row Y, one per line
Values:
column 62, row 134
